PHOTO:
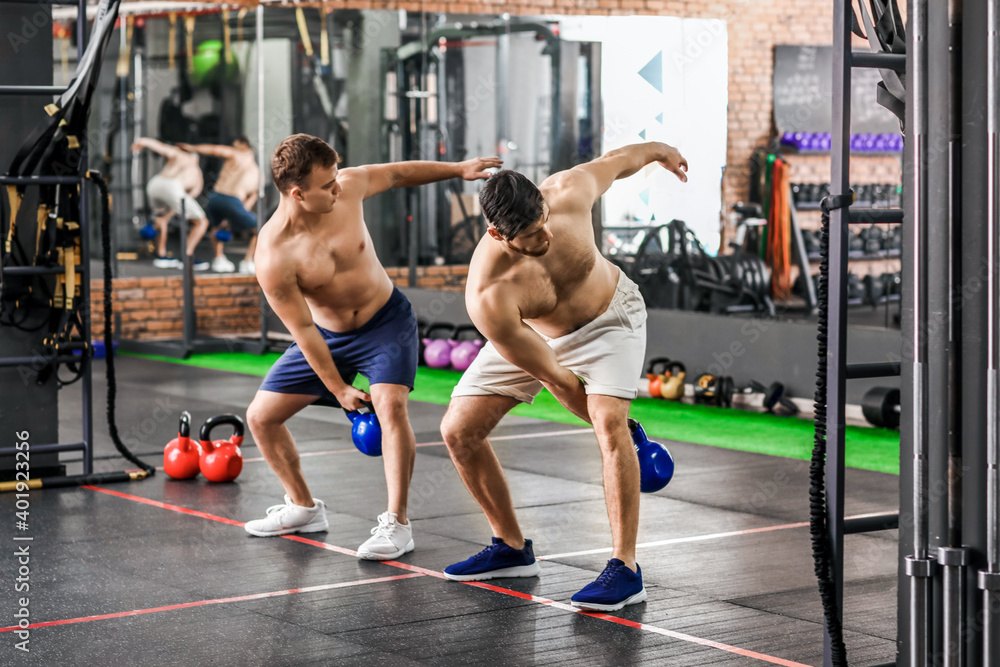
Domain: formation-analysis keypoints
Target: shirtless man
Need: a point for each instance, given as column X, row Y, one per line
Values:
column 318, row 269
column 179, row 181
column 560, row 316
column 232, row 198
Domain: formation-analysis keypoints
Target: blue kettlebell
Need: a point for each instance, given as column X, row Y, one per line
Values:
column 147, row 232
column 656, row 466
column 366, row 431
column 223, row 236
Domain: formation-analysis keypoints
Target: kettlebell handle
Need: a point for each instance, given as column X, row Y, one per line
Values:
column 657, row 361
column 465, row 328
column 184, row 430
column 219, row 420
column 444, row 326
column 354, row 414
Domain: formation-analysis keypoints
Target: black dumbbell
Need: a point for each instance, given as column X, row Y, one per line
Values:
column 881, row 407
column 874, row 288
column 855, row 288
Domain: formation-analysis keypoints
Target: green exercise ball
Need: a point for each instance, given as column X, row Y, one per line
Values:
column 208, row 64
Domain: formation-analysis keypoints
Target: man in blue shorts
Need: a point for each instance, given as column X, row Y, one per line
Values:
column 231, row 198
column 318, row 269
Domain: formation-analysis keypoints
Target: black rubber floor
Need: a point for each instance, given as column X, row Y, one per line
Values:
column 161, row 572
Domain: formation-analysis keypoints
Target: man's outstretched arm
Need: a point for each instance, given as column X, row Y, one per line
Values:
column 214, row 150
column 377, row 178
column 596, row 176
column 166, row 150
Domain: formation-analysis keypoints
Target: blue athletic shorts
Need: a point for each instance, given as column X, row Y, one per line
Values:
column 220, row 208
column 384, row 350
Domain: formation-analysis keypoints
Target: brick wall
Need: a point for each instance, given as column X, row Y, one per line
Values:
column 431, row 277
column 152, row 307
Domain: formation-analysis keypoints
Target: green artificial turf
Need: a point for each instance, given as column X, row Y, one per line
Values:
column 867, row 448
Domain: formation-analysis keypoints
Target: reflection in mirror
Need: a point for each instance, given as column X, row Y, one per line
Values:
column 544, row 93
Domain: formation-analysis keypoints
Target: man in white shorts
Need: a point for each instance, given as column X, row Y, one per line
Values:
column 179, row 181
column 557, row 315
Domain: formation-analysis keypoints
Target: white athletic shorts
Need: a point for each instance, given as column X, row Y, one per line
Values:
column 166, row 194
column 606, row 353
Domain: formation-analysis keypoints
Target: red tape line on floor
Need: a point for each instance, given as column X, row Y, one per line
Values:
column 421, row 571
column 202, row 603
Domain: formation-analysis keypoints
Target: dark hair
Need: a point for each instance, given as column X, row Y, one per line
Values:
column 244, row 139
column 294, row 158
column 510, row 202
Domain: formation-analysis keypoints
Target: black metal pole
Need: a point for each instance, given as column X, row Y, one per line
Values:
column 989, row 578
column 919, row 567
column 836, row 374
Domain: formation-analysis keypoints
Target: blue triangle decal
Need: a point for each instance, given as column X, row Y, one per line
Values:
column 659, row 118
column 642, row 134
column 644, row 196
column 652, row 72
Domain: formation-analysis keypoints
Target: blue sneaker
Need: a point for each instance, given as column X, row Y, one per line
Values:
column 496, row 560
column 616, row 587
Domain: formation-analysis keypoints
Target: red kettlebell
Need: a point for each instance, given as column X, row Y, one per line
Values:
column 221, row 460
column 656, row 377
column 180, row 456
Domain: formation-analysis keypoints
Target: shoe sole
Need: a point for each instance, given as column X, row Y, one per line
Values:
column 635, row 599
column 287, row 531
column 532, row 570
column 371, row 555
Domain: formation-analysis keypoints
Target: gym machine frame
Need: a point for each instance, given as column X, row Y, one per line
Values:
column 838, row 371
column 82, row 271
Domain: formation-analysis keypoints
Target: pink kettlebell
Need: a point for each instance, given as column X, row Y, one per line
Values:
column 465, row 352
column 436, row 352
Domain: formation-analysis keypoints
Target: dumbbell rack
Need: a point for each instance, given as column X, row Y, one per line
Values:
column 841, row 216
column 856, row 256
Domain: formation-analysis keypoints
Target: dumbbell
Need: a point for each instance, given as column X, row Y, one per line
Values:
column 811, row 241
column 873, row 238
column 891, row 283
column 874, row 288
column 855, row 288
column 880, row 406
column 894, row 239
column 774, row 395
column 855, row 243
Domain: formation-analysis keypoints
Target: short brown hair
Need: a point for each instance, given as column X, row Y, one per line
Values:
column 510, row 202
column 294, row 158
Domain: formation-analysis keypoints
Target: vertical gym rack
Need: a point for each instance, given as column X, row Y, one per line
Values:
column 82, row 271
column 834, row 370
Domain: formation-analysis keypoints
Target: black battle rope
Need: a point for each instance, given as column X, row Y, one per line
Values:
column 817, row 472
column 109, row 355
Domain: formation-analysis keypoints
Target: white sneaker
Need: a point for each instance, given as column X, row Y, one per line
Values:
column 290, row 518
column 221, row 264
column 167, row 263
column 247, row 267
column 389, row 539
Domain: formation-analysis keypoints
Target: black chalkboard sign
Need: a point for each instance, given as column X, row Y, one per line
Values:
column 803, row 98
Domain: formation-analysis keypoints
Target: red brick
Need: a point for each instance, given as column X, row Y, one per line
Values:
column 152, row 282
column 218, row 301
column 162, row 293
column 164, row 304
